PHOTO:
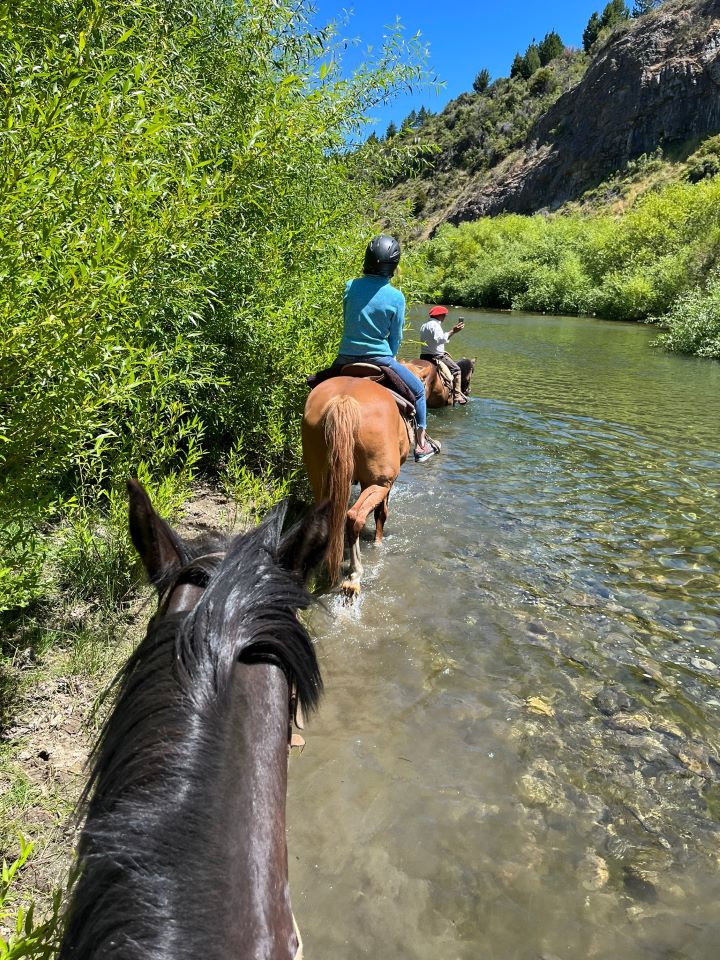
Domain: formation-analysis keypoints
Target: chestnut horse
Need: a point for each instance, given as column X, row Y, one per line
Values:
column 352, row 432
column 436, row 393
column 184, row 853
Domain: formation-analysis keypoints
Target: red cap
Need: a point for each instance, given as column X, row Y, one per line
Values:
column 438, row 312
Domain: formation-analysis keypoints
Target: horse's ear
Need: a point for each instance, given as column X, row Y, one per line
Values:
column 303, row 547
column 160, row 548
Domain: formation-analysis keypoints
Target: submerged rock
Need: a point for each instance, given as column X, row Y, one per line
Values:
column 611, row 700
column 639, row 885
column 593, row 871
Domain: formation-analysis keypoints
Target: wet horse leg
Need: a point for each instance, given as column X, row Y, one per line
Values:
column 370, row 498
column 351, row 583
column 381, row 512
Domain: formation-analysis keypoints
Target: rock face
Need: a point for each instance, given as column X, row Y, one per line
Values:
column 656, row 82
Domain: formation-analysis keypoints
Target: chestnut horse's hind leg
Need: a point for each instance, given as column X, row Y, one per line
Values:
column 351, row 583
column 371, row 498
column 381, row 512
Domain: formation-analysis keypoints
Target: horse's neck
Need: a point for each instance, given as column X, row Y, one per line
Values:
column 252, row 834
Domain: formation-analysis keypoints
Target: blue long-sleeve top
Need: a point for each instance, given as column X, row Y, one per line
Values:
column 374, row 316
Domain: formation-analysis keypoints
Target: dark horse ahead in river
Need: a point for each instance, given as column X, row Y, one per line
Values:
column 183, row 853
column 437, row 392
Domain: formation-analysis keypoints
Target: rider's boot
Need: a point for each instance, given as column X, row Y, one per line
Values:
column 458, row 398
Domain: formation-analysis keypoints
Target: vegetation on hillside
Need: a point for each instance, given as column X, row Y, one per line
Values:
column 478, row 136
column 477, row 131
column 658, row 258
column 601, row 24
column 177, row 203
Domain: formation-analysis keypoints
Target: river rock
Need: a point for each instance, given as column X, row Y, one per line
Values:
column 611, row 700
column 631, row 722
column 540, row 787
column 593, row 872
column 640, row 884
column 703, row 665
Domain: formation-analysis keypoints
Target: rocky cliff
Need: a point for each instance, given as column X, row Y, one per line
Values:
column 655, row 82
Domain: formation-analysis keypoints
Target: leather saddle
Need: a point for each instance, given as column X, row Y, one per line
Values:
column 401, row 393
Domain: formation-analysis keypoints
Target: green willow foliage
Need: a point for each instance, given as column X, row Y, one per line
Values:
column 29, row 937
column 178, row 209
column 633, row 267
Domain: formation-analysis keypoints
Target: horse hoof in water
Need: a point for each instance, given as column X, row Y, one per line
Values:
column 350, row 591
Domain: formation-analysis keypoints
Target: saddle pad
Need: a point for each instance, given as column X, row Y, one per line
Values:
column 385, row 377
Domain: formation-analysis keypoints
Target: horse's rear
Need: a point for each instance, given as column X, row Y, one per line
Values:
column 352, row 432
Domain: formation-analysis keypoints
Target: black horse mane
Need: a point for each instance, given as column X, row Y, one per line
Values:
column 161, row 749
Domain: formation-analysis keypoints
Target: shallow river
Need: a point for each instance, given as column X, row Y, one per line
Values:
column 518, row 753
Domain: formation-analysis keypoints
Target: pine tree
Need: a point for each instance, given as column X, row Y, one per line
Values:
column 531, row 61
column 516, row 70
column 615, row 12
column 591, row 31
column 482, row 81
column 645, row 6
column 391, row 131
column 550, row 46
column 423, row 116
column 410, row 121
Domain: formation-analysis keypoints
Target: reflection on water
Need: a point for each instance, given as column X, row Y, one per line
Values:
column 518, row 754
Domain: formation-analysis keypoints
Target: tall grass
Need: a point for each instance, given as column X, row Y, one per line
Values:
column 631, row 267
column 28, row 937
column 178, row 211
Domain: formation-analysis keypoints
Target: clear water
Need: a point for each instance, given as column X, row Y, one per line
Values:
column 518, row 753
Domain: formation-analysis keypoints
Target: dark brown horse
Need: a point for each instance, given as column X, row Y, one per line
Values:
column 183, row 852
column 437, row 393
column 352, row 432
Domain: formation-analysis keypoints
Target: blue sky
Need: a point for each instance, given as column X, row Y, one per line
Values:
column 464, row 36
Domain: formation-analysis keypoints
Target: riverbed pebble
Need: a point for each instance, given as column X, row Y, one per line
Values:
column 593, row 872
column 611, row 700
column 705, row 666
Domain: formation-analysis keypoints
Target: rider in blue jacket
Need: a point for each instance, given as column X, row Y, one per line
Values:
column 374, row 316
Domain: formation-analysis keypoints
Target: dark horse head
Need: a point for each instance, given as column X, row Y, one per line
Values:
column 467, row 368
column 183, row 851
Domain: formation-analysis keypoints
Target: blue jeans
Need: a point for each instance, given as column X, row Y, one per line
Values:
column 407, row 377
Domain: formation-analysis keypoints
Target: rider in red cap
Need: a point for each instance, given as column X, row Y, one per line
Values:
column 435, row 338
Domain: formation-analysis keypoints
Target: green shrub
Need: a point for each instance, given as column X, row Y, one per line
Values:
column 29, row 938
column 705, row 162
column 542, row 82
column 565, row 288
column 629, row 267
column 179, row 211
column 693, row 323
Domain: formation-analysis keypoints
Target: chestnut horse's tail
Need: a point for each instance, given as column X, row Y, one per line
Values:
column 342, row 419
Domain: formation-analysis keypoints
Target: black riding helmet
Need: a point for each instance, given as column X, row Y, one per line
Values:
column 382, row 256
